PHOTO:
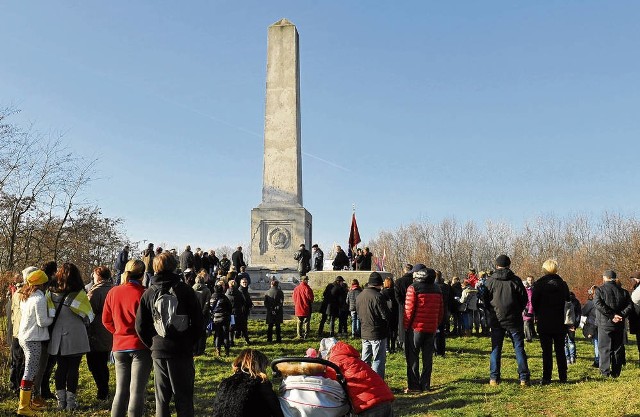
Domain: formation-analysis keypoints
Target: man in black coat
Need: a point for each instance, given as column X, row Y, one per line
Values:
column 341, row 260
column 330, row 307
column 613, row 305
column 303, row 256
column 505, row 300
column 440, row 341
column 121, row 262
column 401, row 286
column 374, row 317
column 237, row 258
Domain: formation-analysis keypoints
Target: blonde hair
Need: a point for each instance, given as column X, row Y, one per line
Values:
column 550, row 266
column 134, row 269
column 252, row 362
column 388, row 283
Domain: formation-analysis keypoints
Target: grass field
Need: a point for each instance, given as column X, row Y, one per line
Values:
column 460, row 381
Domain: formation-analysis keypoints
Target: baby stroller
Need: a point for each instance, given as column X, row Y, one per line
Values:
column 312, row 396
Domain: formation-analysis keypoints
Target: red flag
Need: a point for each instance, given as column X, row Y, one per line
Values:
column 354, row 235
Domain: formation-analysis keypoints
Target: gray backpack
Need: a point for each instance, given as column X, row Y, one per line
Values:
column 165, row 318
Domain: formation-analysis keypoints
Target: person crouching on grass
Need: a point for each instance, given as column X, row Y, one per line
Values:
column 33, row 331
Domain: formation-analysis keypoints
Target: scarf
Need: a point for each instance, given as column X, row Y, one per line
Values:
column 79, row 305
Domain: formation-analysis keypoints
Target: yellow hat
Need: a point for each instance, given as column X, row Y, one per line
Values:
column 134, row 269
column 37, row 277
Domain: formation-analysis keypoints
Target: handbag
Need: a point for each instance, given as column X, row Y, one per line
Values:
column 569, row 314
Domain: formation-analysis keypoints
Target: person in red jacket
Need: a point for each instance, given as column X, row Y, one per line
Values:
column 303, row 301
column 423, row 312
column 133, row 358
column 370, row 396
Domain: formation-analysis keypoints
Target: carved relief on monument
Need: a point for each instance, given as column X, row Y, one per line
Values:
column 280, row 238
column 275, row 234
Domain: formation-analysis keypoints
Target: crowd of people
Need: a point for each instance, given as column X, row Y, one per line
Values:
column 420, row 310
column 156, row 313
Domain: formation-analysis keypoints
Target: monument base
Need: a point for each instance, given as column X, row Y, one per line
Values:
column 318, row 280
column 276, row 234
column 261, row 278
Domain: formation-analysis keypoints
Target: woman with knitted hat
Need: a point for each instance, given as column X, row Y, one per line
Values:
column 33, row 331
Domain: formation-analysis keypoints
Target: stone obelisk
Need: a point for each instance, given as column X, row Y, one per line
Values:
column 280, row 223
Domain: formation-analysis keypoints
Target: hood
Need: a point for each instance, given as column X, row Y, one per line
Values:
column 165, row 279
column 503, row 274
column 325, row 346
column 343, row 349
column 552, row 283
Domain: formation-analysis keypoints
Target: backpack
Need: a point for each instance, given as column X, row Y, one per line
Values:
column 165, row 318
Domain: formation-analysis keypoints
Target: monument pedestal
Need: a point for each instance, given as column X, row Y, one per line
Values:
column 276, row 234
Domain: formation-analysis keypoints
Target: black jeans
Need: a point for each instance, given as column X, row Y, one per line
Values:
column 549, row 342
column 416, row 344
column 332, row 323
column 270, row 332
column 68, row 373
column 440, row 339
column 97, row 363
column 174, row 377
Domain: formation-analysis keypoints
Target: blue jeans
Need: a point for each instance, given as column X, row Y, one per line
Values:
column 517, row 338
column 374, row 352
column 355, row 324
column 132, row 374
column 596, row 357
column 570, row 346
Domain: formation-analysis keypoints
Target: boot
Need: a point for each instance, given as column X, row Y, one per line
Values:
column 38, row 403
column 61, row 395
column 72, row 403
column 24, row 406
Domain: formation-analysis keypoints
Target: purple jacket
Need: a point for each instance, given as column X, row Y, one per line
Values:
column 527, row 314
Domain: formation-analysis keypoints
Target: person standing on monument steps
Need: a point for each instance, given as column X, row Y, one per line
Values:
column 341, row 261
column 505, row 300
column 303, row 256
column 237, row 259
column 317, row 258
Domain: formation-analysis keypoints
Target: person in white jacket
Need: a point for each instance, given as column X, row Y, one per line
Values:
column 33, row 331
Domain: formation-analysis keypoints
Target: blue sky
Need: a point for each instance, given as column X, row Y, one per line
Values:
column 411, row 110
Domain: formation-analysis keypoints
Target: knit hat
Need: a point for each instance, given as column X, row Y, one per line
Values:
column 503, row 261
column 418, row 267
column 37, row 277
column 610, row 273
column 27, row 271
column 375, row 280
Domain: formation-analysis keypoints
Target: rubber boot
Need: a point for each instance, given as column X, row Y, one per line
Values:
column 61, row 395
column 72, row 403
column 24, row 406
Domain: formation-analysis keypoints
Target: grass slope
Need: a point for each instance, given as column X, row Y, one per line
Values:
column 460, row 381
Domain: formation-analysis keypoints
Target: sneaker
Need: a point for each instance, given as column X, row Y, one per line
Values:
column 544, row 382
column 524, row 383
column 411, row 391
column 493, row 383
